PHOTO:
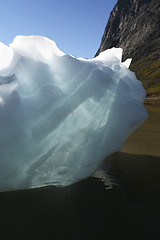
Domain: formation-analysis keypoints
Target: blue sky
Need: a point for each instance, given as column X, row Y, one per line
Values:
column 76, row 26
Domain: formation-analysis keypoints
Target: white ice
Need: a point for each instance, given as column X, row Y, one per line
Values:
column 60, row 116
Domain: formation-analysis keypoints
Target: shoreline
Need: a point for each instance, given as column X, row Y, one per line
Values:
column 152, row 98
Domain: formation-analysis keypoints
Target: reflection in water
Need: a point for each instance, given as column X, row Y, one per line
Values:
column 136, row 170
column 85, row 210
column 103, row 175
column 124, row 205
column 138, row 177
column 138, row 163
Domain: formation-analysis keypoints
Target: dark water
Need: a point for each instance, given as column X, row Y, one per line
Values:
column 122, row 200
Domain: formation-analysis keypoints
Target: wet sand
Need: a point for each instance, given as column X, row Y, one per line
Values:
column 146, row 140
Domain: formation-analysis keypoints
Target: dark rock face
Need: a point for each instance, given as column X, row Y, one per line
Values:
column 134, row 25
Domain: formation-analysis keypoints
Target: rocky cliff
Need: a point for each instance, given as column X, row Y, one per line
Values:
column 134, row 25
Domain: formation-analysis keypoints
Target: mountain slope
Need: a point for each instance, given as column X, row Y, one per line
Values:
column 134, row 25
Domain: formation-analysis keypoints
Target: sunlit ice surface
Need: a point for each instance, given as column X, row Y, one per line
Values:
column 60, row 116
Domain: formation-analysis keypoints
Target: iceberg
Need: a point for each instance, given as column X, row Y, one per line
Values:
column 60, row 116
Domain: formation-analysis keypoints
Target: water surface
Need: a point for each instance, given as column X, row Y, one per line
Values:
column 121, row 201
